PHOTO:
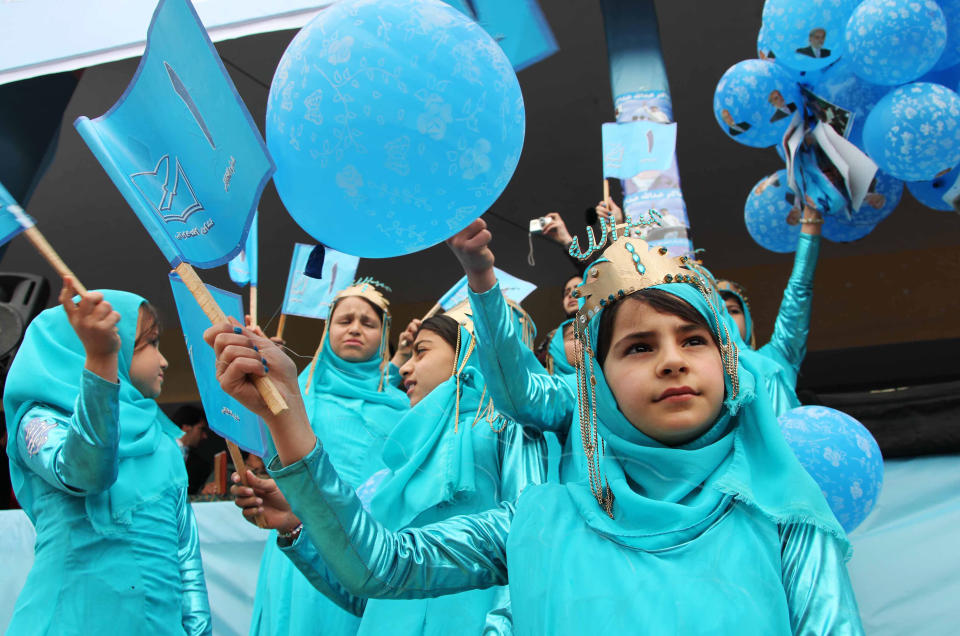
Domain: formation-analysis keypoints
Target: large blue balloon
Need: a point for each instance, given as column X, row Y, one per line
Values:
column 755, row 101
column 841, row 456
column 839, row 230
column 804, row 34
column 914, row 132
column 880, row 202
column 394, row 124
column 931, row 193
column 951, row 52
column 840, row 86
column 891, row 42
column 769, row 204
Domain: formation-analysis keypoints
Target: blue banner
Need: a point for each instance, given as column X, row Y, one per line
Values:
column 13, row 219
column 243, row 266
column 517, row 26
column 180, row 145
column 637, row 146
column 225, row 415
column 311, row 297
column 516, row 289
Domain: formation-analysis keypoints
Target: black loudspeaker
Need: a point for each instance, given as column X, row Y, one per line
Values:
column 22, row 297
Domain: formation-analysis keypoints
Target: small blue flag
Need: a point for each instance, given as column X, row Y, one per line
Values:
column 637, row 146
column 311, row 297
column 513, row 288
column 181, row 146
column 517, row 26
column 13, row 219
column 243, row 266
column 225, row 415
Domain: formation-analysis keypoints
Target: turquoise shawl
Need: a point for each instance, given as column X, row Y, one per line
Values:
column 430, row 452
column 665, row 496
column 48, row 370
column 558, row 353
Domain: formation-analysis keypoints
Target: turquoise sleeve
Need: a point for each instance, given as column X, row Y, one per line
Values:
column 521, row 388
column 194, row 603
column 305, row 556
column 820, row 597
column 75, row 453
column 457, row 554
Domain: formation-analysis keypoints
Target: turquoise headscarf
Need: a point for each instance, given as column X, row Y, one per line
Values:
column 430, row 451
column 665, row 496
column 558, row 352
column 747, row 319
column 48, row 370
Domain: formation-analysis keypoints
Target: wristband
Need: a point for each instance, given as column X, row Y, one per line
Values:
column 292, row 535
column 811, row 221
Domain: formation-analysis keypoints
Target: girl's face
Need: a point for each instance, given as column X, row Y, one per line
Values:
column 354, row 330
column 431, row 364
column 665, row 373
column 148, row 364
column 734, row 309
column 571, row 304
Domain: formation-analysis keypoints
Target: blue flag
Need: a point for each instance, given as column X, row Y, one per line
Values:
column 516, row 289
column 243, row 266
column 517, row 26
column 311, row 297
column 13, row 219
column 225, row 415
column 180, row 145
column 637, row 146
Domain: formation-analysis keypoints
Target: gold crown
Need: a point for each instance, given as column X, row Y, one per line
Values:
column 629, row 264
column 463, row 314
column 724, row 285
column 366, row 288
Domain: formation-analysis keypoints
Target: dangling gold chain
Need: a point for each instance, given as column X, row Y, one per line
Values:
column 593, row 445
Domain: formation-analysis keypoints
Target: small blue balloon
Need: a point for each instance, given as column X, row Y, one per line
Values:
column 839, row 230
column 891, row 42
column 755, row 101
column 951, row 52
column 931, row 193
column 914, row 132
column 393, row 124
column 807, row 35
column 881, row 200
column 842, row 457
column 840, row 86
column 766, row 213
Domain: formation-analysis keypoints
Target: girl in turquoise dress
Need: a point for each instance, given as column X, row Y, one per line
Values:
column 104, row 484
column 450, row 454
column 694, row 517
column 352, row 407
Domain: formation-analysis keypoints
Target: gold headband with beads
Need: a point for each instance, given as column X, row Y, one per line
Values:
column 627, row 265
column 366, row 288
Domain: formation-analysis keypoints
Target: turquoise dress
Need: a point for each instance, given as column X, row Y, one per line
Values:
column 725, row 534
column 446, row 457
column 354, row 418
column 117, row 549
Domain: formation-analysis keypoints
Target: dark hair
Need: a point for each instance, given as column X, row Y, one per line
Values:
column 445, row 327
column 661, row 301
column 188, row 415
column 729, row 295
column 150, row 328
column 376, row 309
column 568, row 279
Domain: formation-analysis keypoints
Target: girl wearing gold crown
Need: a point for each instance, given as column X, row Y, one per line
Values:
column 352, row 408
column 450, row 454
column 694, row 517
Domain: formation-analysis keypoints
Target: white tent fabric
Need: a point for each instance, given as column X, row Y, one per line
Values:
column 50, row 36
column 904, row 567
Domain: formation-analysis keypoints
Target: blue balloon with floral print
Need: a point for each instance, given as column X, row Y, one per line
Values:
column 842, row 457
column 393, row 124
column 806, row 35
column 755, row 101
column 892, row 42
column 840, row 230
column 881, row 200
column 914, row 132
column 938, row 193
column 771, row 216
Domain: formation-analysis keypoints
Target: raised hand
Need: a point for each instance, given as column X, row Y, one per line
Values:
column 471, row 246
column 556, row 230
column 405, row 344
column 95, row 323
column 606, row 209
column 262, row 497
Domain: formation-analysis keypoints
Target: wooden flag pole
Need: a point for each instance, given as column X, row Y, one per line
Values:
column 50, row 254
column 606, row 190
column 280, row 325
column 253, row 305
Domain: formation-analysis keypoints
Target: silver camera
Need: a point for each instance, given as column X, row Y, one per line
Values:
column 537, row 225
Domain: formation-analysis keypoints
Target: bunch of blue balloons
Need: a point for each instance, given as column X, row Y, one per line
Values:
column 885, row 74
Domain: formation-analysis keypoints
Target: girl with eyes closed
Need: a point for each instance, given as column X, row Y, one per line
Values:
column 694, row 516
column 352, row 408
